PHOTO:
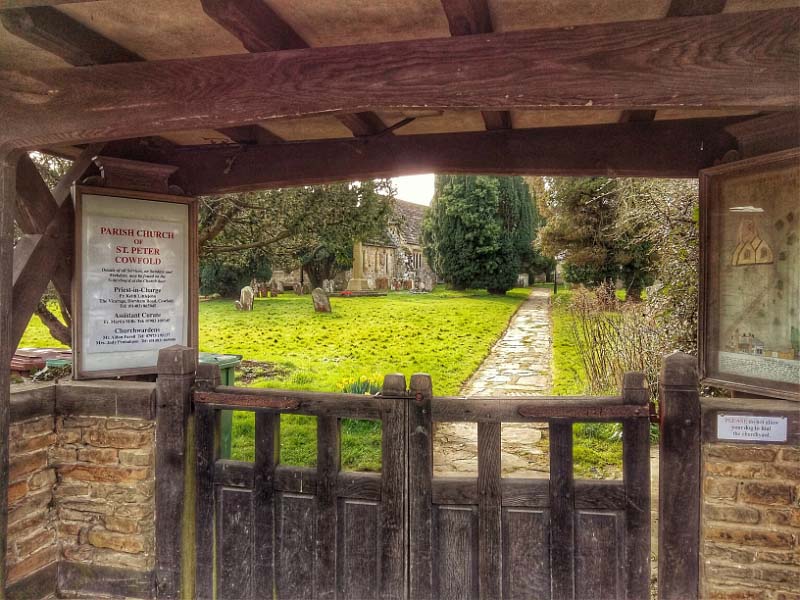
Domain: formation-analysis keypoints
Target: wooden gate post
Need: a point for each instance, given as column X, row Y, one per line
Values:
column 176, row 373
column 206, row 432
column 636, row 477
column 8, row 198
column 679, row 479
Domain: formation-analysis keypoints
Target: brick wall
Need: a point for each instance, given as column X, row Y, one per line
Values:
column 750, row 538
column 32, row 540
column 105, row 489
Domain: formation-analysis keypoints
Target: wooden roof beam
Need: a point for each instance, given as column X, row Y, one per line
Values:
column 624, row 150
column 261, row 29
column 70, row 40
column 677, row 8
column 741, row 61
column 8, row 4
column 470, row 17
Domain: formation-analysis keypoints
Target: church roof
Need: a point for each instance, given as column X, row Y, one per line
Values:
column 411, row 217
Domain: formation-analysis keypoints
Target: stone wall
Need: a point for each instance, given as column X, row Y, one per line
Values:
column 750, row 538
column 32, row 533
column 81, row 489
column 105, row 491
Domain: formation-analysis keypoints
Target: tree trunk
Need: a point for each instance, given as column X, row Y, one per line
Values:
column 58, row 330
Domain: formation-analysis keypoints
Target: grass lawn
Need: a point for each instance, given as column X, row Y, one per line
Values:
column 445, row 334
column 597, row 447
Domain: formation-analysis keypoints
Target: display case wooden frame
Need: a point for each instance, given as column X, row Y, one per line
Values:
column 715, row 241
column 192, row 299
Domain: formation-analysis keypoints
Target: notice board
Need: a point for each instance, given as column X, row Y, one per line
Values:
column 750, row 280
column 135, row 280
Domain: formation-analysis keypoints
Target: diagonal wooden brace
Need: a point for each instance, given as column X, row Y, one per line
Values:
column 36, row 258
column 45, row 253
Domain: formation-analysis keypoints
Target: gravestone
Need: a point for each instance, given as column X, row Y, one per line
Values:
column 245, row 301
column 321, row 301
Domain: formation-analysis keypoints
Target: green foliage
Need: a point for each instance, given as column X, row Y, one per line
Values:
column 229, row 274
column 479, row 231
column 585, row 226
column 446, row 334
column 313, row 226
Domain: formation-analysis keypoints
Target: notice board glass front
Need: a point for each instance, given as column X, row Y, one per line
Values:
column 750, row 276
column 135, row 279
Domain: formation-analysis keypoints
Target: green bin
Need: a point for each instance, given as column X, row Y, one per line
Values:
column 227, row 364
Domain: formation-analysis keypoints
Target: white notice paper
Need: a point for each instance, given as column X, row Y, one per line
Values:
column 134, row 283
column 751, row 428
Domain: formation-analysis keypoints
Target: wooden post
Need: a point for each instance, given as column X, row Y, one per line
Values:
column 176, row 372
column 8, row 193
column 420, row 475
column 207, row 451
column 679, row 480
column 636, row 477
column 393, row 492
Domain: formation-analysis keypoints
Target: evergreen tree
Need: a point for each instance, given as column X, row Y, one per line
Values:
column 587, row 226
column 479, row 231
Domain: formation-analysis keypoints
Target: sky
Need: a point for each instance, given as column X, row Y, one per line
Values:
column 415, row 188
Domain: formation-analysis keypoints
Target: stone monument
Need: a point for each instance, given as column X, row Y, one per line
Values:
column 320, row 299
column 358, row 283
column 245, row 301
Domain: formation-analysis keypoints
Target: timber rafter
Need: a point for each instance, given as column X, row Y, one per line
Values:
column 756, row 64
column 76, row 44
column 261, row 29
column 677, row 8
column 470, row 17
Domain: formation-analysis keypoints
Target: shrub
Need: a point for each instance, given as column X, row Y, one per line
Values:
column 362, row 385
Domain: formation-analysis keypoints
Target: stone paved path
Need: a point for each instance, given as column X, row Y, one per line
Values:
column 517, row 365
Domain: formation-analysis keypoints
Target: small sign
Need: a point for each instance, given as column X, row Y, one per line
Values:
column 751, row 428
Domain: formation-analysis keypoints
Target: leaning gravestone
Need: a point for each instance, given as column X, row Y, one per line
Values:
column 245, row 301
column 321, row 301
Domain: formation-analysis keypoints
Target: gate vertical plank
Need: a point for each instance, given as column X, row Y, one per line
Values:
column 8, row 197
column 562, row 511
column 268, row 428
column 420, row 475
column 328, row 464
column 636, row 476
column 207, row 448
column 679, row 479
column 489, row 511
column 393, row 493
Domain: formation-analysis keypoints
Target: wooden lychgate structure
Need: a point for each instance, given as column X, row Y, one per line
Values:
column 251, row 94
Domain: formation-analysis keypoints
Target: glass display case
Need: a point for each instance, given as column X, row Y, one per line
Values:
column 750, row 275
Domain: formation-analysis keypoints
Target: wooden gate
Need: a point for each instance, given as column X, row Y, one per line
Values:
column 267, row 530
